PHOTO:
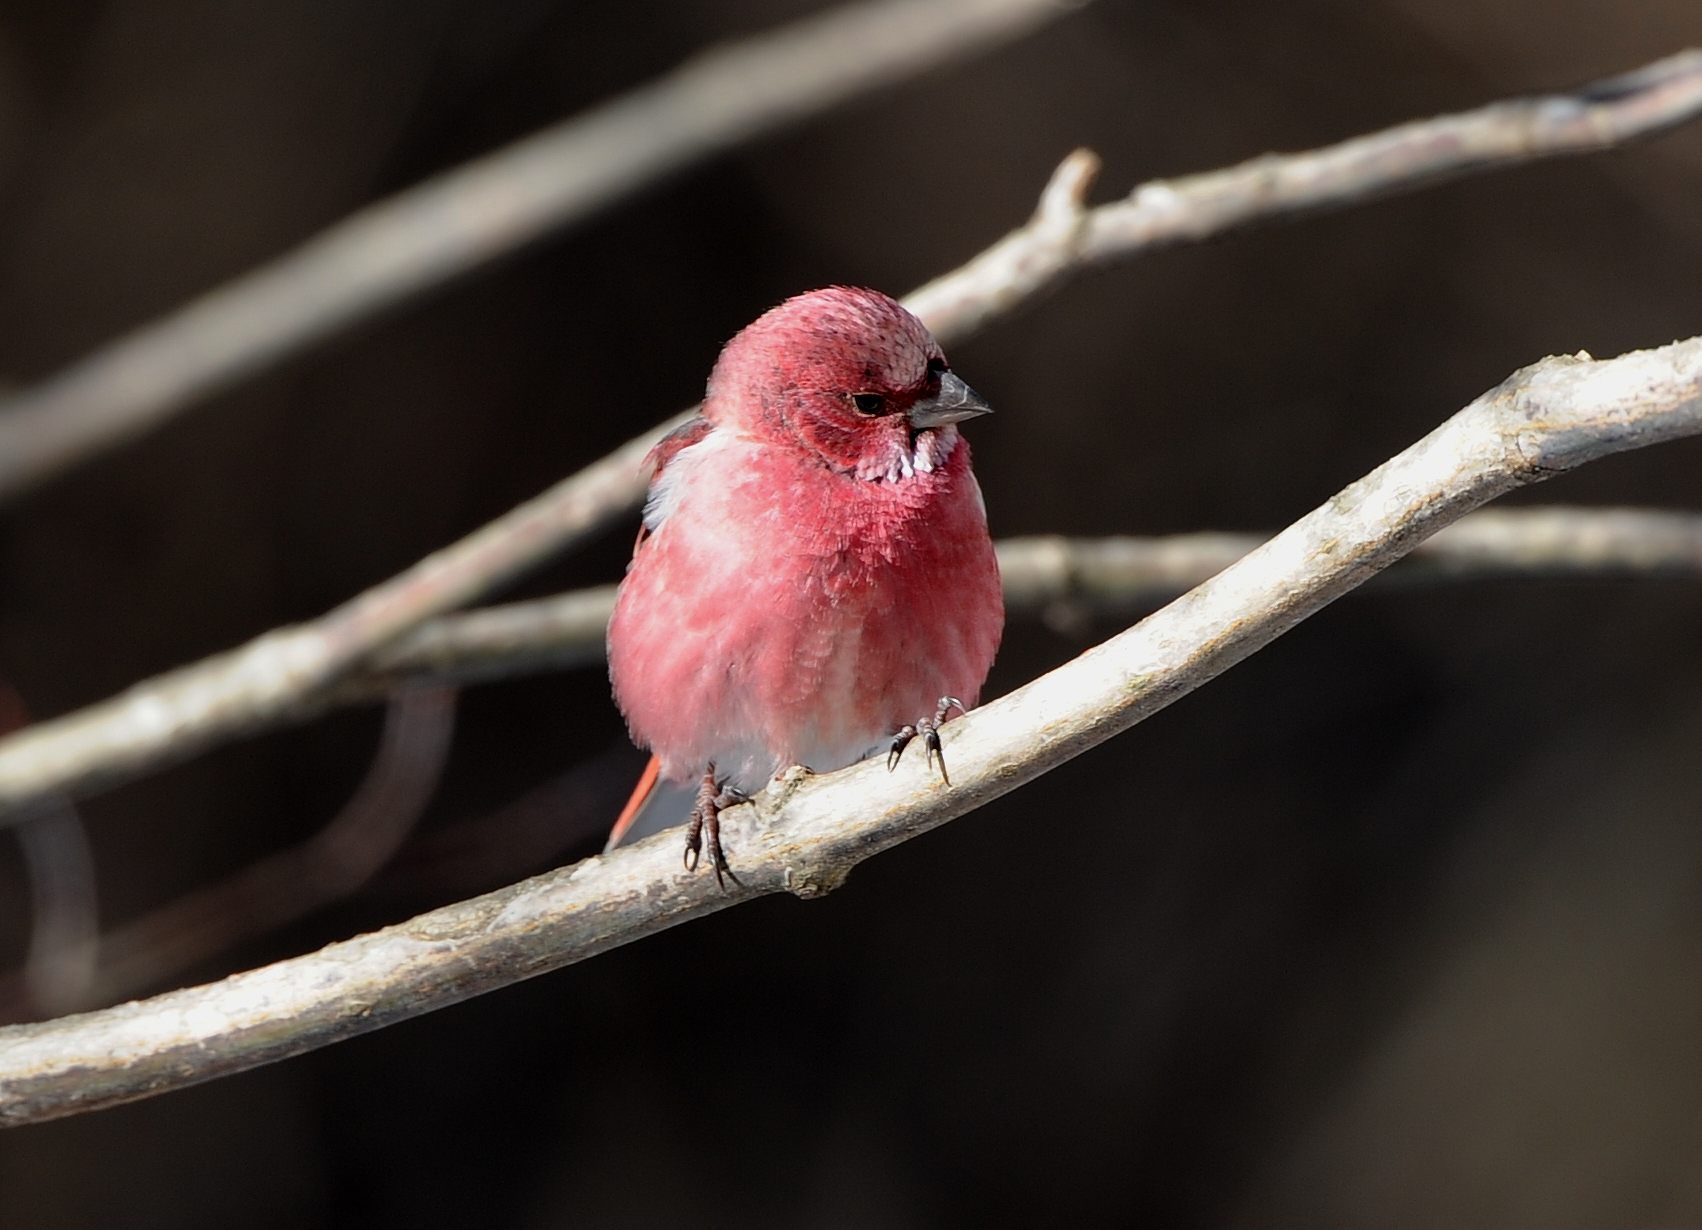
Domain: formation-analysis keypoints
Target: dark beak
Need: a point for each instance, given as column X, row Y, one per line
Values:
column 955, row 402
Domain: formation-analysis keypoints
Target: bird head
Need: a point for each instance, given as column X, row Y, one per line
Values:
column 847, row 376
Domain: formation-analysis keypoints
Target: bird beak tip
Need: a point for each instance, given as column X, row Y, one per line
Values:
column 955, row 402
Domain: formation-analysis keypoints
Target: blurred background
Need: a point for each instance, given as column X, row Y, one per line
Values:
column 1397, row 924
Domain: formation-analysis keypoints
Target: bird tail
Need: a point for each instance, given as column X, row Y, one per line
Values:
column 655, row 805
column 640, row 796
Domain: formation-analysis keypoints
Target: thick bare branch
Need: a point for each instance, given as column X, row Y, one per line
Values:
column 459, row 221
column 291, row 671
column 804, row 835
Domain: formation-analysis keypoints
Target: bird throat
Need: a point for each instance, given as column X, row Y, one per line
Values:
column 920, row 452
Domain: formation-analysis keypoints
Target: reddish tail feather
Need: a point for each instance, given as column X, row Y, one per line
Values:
column 640, row 795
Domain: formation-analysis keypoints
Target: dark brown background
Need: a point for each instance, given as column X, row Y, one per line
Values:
column 1398, row 924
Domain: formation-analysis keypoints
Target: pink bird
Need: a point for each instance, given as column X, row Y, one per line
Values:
column 814, row 579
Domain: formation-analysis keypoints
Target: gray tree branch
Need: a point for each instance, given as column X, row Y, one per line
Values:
column 291, row 671
column 804, row 834
column 1053, row 577
column 1064, row 237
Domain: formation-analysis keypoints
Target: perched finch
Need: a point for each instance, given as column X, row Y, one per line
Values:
column 814, row 580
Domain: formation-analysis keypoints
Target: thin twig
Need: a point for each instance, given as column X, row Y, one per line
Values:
column 494, row 642
column 290, row 671
column 1051, row 577
column 1064, row 237
column 804, row 835
column 393, row 250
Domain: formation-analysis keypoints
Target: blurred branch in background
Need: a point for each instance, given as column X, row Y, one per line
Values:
column 804, row 834
column 1067, row 580
column 71, row 967
column 420, row 238
column 291, row 670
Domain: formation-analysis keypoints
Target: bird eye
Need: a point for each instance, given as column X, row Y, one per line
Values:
column 868, row 403
column 937, row 367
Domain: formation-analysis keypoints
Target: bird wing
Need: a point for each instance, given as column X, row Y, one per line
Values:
column 656, row 461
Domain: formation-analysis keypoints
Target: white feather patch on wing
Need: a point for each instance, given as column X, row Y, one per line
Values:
column 671, row 484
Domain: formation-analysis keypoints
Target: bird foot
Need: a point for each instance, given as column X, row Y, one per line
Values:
column 928, row 730
column 713, row 798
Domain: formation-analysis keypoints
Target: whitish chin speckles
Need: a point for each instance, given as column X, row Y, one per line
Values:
column 927, row 452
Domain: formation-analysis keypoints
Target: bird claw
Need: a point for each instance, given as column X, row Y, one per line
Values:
column 900, row 741
column 936, row 753
column 929, row 731
column 705, row 827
